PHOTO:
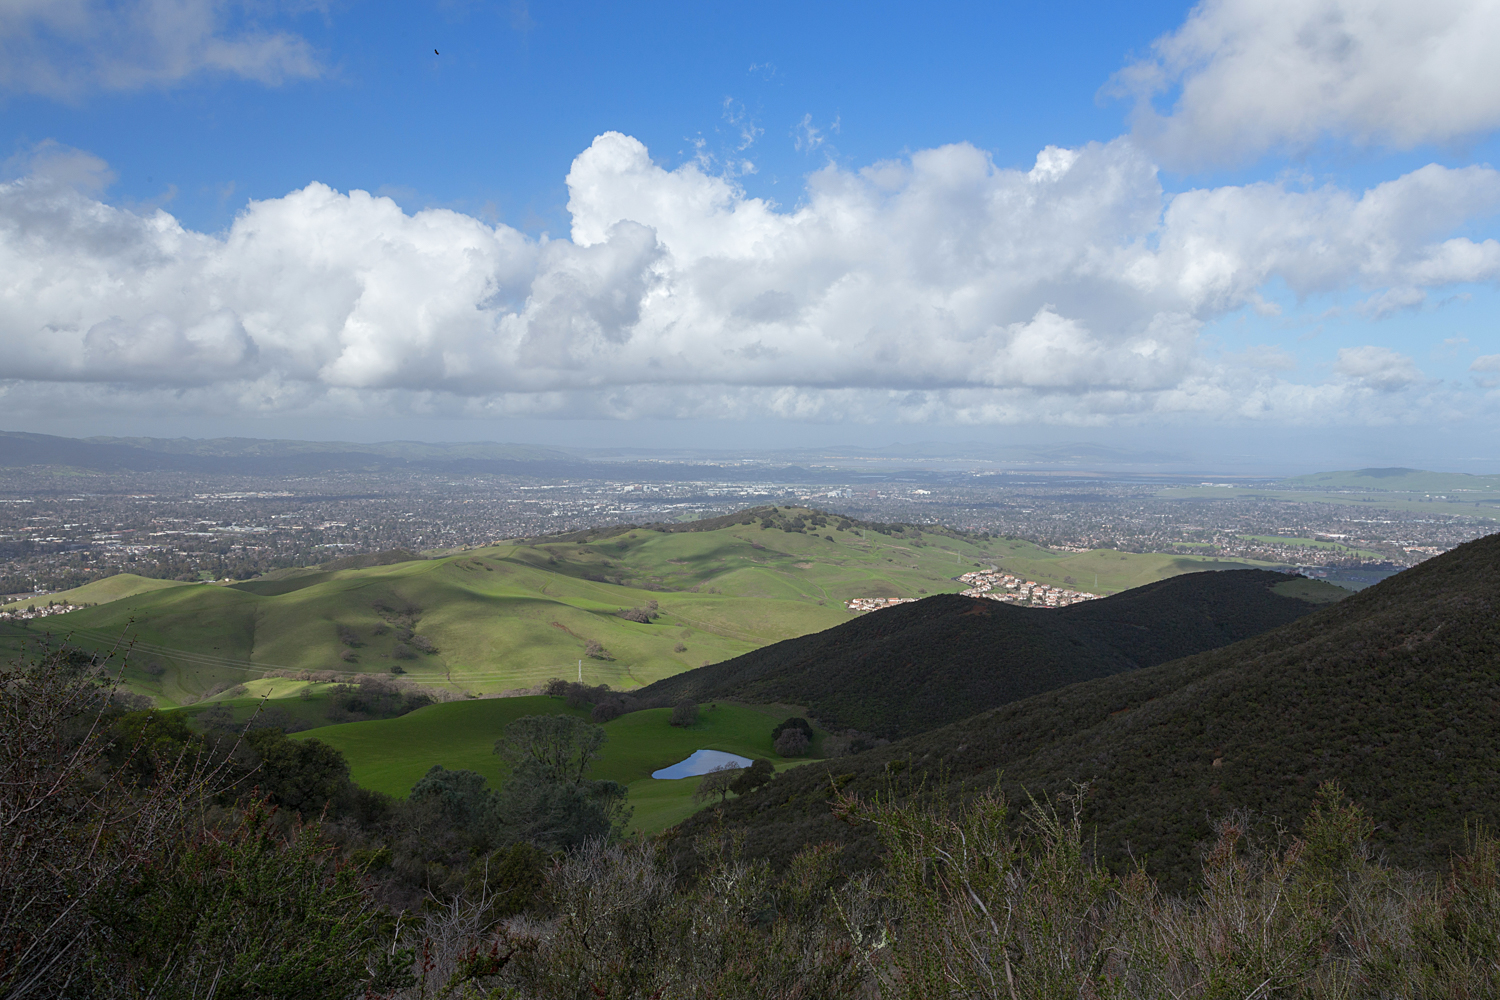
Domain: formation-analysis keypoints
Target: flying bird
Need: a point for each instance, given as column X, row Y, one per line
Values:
column 435, row 52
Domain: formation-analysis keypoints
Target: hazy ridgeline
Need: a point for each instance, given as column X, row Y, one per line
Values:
column 141, row 859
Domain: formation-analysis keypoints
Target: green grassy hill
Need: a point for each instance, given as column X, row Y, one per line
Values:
column 915, row 667
column 511, row 615
column 1392, row 691
column 111, row 588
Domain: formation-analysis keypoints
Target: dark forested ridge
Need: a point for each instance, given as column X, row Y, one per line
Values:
column 914, row 667
column 1395, row 692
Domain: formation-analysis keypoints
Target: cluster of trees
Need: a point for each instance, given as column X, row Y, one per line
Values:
column 547, row 801
column 684, row 713
column 604, row 704
column 141, row 857
column 645, row 614
column 374, row 697
column 739, row 780
column 793, row 737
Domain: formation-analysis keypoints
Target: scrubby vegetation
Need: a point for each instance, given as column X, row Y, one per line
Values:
column 140, row 859
column 914, row 667
column 1389, row 691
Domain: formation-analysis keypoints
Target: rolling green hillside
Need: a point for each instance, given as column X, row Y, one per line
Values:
column 111, row 588
column 915, row 667
column 511, row 615
column 1392, row 691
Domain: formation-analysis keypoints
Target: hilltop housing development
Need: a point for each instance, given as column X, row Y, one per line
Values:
column 997, row 586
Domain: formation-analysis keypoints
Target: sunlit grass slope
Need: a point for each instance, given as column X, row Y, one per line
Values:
column 508, row 616
column 392, row 755
column 111, row 588
column 1103, row 571
column 511, row 615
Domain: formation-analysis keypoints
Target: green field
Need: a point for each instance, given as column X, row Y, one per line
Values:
column 391, row 755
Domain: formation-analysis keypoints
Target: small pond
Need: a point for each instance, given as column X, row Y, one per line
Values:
column 701, row 762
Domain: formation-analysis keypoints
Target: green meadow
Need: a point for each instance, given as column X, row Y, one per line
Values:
column 391, row 755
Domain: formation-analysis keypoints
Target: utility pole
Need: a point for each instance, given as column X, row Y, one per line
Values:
column 580, row 671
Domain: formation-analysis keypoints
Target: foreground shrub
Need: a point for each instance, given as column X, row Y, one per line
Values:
column 617, row 925
column 125, row 873
column 991, row 906
column 84, row 805
column 241, row 914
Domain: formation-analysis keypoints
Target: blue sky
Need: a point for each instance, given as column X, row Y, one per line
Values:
column 1138, row 224
column 491, row 124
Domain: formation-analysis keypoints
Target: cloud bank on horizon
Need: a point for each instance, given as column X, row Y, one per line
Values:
column 934, row 288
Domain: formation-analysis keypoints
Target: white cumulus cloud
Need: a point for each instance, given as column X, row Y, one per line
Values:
column 1378, row 367
column 65, row 48
column 1247, row 76
column 938, row 287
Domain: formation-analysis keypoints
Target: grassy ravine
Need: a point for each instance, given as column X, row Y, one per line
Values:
column 511, row 615
column 392, row 755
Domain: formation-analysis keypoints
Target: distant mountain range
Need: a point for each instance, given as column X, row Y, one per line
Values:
column 1394, row 692
column 913, row 667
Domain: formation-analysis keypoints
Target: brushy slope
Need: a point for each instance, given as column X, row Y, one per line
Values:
column 914, row 667
column 1393, row 692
